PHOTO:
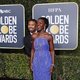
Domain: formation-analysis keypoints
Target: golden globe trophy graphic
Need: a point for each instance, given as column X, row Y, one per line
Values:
column 4, row 29
column 12, row 26
column 63, row 23
column 54, row 29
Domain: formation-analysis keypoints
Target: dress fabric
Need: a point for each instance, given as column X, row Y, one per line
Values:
column 42, row 60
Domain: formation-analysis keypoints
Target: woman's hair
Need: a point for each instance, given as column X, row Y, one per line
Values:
column 45, row 21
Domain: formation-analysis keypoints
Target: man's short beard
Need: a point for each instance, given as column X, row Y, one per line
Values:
column 33, row 31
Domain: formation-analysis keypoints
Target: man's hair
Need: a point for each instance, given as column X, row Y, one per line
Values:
column 34, row 20
column 45, row 21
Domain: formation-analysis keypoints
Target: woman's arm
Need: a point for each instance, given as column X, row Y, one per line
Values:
column 51, row 44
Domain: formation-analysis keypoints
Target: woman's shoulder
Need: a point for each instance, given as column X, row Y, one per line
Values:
column 49, row 35
column 34, row 35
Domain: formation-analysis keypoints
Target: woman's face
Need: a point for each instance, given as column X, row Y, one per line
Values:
column 41, row 25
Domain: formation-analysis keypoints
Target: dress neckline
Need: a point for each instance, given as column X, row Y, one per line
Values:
column 41, row 38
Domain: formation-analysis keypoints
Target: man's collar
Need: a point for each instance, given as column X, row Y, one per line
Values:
column 33, row 32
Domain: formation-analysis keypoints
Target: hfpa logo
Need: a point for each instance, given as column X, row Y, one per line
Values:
column 5, row 11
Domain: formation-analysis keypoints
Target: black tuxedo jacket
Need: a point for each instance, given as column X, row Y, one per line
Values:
column 27, row 44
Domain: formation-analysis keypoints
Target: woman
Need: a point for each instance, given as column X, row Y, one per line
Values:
column 42, row 53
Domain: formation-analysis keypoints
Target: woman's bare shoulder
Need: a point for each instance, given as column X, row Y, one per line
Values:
column 49, row 36
column 34, row 35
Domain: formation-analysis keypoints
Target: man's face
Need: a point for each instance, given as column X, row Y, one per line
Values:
column 32, row 26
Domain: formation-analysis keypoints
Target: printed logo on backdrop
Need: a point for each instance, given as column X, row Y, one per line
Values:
column 11, row 26
column 63, row 23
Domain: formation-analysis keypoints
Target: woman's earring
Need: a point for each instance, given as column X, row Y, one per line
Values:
column 44, row 28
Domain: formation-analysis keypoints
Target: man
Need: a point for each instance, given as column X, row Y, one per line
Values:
column 32, row 24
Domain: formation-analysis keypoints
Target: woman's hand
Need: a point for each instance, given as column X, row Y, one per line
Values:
column 51, row 68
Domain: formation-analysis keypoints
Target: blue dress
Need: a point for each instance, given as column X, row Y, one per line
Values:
column 42, row 60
